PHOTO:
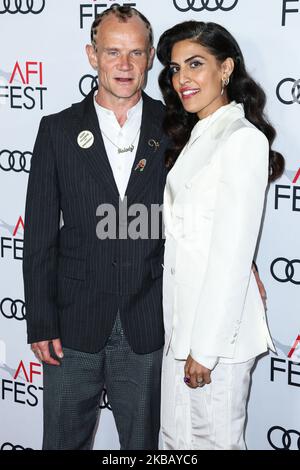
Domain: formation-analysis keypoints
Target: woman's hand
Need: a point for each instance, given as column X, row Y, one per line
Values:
column 196, row 375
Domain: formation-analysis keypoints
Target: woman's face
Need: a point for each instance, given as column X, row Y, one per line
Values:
column 197, row 77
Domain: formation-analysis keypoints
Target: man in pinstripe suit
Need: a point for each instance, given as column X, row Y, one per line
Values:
column 94, row 312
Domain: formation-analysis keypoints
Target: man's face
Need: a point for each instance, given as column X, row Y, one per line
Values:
column 122, row 58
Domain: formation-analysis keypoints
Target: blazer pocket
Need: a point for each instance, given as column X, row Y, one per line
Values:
column 72, row 268
column 70, row 282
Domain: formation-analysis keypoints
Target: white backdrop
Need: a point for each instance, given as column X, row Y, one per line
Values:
column 42, row 70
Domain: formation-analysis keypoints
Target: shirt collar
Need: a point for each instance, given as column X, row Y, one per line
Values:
column 203, row 124
column 101, row 111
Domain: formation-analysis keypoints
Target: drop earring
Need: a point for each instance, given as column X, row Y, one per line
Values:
column 225, row 82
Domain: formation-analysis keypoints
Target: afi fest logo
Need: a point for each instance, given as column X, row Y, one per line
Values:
column 12, row 246
column 287, row 196
column 288, row 368
column 24, row 86
column 207, row 5
column 15, row 161
column 94, row 8
column 23, row 385
column 288, row 6
column 22, row 6
column 288, row 91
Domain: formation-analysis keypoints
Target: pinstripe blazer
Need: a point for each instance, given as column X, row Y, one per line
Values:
column 74, row 282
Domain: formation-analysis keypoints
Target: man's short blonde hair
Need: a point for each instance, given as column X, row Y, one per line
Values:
column 122, row 13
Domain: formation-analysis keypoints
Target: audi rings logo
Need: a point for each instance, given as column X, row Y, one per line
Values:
column 87, row 83
column 288, row 91
column 284, row 270
column 9, row 446
column 13, row 309
column 208, row 5
column 282, row 439
column 22, row 6
column 104, row 401
column 15, row 161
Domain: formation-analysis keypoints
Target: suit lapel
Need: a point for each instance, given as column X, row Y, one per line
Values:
column 94, row 157
column 201, row 148
column 147, row 152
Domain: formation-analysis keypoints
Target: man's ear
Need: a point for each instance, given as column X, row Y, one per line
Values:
column 92, row 56
column 151, row 58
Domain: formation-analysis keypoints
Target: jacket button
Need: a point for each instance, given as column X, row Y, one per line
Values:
column 114, row 263
column 188, row 185
column 172, row 271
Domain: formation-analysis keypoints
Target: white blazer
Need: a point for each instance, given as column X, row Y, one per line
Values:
column 213, row 205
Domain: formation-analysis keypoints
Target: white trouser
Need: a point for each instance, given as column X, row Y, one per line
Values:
column 207, row 418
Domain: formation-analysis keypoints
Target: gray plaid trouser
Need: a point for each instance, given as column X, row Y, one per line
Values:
column 72, row 394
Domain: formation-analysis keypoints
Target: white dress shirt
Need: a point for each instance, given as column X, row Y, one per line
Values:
column 121, row 163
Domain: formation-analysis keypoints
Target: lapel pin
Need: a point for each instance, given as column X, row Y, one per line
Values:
column 85, row 139
column 141, row 165
column 154, row 143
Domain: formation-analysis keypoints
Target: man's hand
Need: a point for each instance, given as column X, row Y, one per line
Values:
column 260, row 286
column 196, row 375
column 42, row 352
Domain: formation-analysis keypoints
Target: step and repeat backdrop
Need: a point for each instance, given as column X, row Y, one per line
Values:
column 43, row 69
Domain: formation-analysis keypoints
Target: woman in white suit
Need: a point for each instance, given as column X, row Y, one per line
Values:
column 215, row 322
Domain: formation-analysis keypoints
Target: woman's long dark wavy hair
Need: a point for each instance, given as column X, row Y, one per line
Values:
column 241, row 88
